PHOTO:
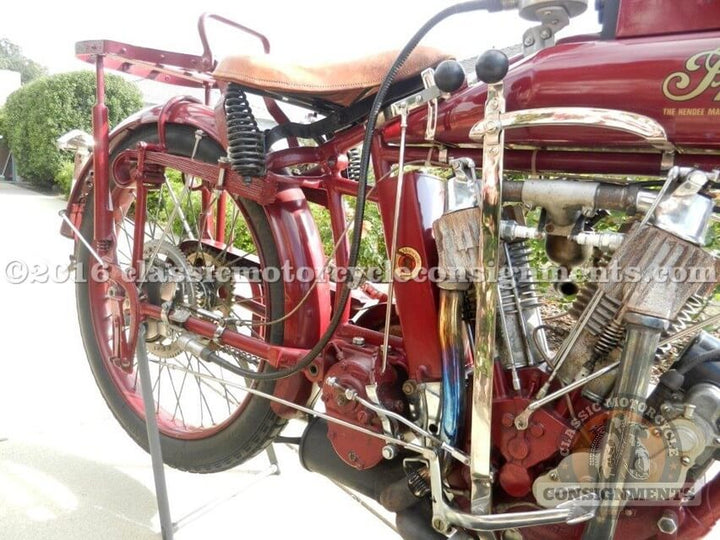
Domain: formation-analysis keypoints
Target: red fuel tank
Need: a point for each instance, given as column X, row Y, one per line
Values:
column 674, row 79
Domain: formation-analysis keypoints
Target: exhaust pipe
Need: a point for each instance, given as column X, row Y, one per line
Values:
column 385, row 483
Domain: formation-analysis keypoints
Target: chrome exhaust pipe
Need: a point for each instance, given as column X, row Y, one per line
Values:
column 456, row 354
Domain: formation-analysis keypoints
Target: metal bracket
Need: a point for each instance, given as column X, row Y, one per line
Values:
column 461, row 188
column 430, row 93
column 537, row 38
column 428, row 78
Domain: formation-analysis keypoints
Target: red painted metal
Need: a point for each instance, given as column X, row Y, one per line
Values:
column 165, row 113
column 277, row 356
column 653, row 17
column 162, row 66
column 207, row 56
column 221, row 217
column 416, row 300
column 102, row 216
column 357, row 367
column 299, row 246
column 625, row 74
column 665, row 65
column 522, row 450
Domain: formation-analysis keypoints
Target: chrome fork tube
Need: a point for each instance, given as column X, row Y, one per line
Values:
column 624, row 425
column 455, row 346
column 490, row 203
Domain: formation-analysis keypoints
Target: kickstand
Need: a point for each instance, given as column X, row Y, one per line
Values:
column 161, row 493
column 167, row 527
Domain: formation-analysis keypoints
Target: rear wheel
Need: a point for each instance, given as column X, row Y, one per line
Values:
column 205, row 423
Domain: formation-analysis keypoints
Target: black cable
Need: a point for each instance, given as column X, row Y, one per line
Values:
column 464, row 7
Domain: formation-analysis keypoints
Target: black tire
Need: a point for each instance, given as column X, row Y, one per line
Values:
column 256, row 425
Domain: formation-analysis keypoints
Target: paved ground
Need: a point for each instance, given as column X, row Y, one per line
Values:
column 67, row 470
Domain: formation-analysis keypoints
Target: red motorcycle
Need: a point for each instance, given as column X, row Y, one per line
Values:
column 452, row 395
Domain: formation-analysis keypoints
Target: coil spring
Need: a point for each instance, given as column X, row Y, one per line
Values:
column 353, row 170
column 690, row 311
column 587, row 291
column 519, row 255
column 610, row 338
column 602, row 323
column 246, row 144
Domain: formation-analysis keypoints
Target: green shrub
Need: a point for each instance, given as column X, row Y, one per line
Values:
column 41, row 111
column 64, row 177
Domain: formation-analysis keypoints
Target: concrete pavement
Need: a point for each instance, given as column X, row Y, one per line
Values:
column 68, row 470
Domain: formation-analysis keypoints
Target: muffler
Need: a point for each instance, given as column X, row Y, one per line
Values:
column 385, row 483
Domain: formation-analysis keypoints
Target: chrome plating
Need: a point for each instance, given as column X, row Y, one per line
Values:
column 490, row 204
column 636, row 124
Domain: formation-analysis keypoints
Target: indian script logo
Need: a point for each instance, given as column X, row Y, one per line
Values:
column 686, row 85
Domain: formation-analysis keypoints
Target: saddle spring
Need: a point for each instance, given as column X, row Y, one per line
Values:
column 246, row 143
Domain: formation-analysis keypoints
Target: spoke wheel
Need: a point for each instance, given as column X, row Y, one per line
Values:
column 206, row 424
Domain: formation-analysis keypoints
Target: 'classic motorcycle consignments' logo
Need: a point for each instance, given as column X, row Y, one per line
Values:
column 701, row 74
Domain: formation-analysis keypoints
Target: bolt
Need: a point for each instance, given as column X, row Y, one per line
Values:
column 389, row 451
column 628, row 512
column 507, row 419
column 358, row 340
column 688, row 410
column 439, row 525
column 685, row 460
column 529, row 41
column 409, row 387
column 668, row 523
column 553, row 475
column 352, row 456
column 545, row 33
column 537, row 430
column 511, row 534
column 656, row 432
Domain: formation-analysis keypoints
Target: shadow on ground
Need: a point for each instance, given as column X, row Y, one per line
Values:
column 45, row 493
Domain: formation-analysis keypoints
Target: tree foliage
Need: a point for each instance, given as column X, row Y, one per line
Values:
column 11, row 58
column 41, row 111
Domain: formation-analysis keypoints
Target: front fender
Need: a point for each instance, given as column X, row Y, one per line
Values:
column 293, row 227
column 300, row 249
column 184, row 112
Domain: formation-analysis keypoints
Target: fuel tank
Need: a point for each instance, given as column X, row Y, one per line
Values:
column 674, row 79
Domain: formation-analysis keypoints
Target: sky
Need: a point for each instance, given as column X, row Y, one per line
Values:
column 309, row 30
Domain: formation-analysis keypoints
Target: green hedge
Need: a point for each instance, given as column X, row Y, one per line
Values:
column 43, row 110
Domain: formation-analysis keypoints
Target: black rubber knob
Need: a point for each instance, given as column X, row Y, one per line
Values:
column 492, row 66
column 449, row 75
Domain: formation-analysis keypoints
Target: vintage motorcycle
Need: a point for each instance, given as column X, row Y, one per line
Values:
column 450, row 396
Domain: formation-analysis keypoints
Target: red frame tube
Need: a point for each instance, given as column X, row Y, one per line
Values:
column 103, row 225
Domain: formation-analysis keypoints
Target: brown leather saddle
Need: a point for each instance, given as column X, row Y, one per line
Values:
column 339, row 84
